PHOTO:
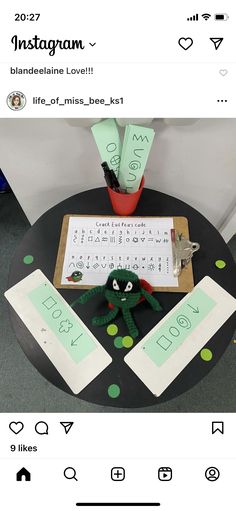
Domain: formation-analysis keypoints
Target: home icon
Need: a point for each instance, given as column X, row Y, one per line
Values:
column 23, row 474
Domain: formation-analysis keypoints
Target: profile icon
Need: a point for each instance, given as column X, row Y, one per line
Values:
column 212, row 474
column 16, row 100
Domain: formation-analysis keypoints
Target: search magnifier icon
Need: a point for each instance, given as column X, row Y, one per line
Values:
column 70, row 473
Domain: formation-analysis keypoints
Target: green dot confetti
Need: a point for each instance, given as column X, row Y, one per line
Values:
column 118, row 342
column 112, row 329
column 127, row 341
column 220, row 264
column 206, row 354
column 28, row 259
column 113, row 390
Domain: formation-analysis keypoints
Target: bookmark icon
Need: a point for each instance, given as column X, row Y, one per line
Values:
column 217, row 426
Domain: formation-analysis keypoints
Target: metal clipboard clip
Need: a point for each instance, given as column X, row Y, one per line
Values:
column 183, row 251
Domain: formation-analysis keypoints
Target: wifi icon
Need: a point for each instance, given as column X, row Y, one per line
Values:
column 206, row 16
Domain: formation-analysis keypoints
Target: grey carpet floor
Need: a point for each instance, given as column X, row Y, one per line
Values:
column 23, row 389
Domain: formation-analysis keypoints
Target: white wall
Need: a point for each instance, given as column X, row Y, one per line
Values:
column 47, row 160
column 228, row 229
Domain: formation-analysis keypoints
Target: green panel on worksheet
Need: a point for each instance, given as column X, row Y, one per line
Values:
column 165, row 340
column 66, row 327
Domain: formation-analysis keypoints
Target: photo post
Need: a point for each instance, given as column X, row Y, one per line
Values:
column 118, row 256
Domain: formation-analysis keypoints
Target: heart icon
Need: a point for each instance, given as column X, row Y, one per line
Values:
column 16, row 427
column 223, row 72
column 185, row 42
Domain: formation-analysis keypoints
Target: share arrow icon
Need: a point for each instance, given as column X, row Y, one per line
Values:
column 216, row 41
column 67, row 426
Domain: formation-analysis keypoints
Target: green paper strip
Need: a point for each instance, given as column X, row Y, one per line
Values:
column 171, row 334
column 107, row 138
column 136, row 148
column 69, row 332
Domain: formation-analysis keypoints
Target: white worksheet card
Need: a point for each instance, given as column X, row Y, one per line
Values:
column 166, row 350
column 97, row 245
column 61, row 334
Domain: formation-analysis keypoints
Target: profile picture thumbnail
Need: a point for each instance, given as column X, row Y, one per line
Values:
column 16, row 100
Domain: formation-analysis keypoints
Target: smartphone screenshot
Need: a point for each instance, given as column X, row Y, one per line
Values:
column 117, row 256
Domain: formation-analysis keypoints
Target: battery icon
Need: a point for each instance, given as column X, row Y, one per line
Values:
column 221, row 17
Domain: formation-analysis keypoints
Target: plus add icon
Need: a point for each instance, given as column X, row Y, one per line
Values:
column 117, row 474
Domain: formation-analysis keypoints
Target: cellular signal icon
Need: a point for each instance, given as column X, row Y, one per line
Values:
column 193, row 18
column 206, row 16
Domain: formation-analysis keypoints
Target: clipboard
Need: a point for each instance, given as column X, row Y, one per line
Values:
column 185, row 280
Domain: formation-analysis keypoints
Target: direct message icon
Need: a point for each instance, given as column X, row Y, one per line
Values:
column 216, row 41
column 67, row 426
column 217, row 426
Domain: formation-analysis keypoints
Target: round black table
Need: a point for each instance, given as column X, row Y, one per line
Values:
column 42, row 240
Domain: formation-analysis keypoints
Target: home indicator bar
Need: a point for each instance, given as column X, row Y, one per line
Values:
column 117, row 504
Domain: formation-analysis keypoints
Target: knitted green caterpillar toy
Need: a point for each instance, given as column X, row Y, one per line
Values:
column 123, row 290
